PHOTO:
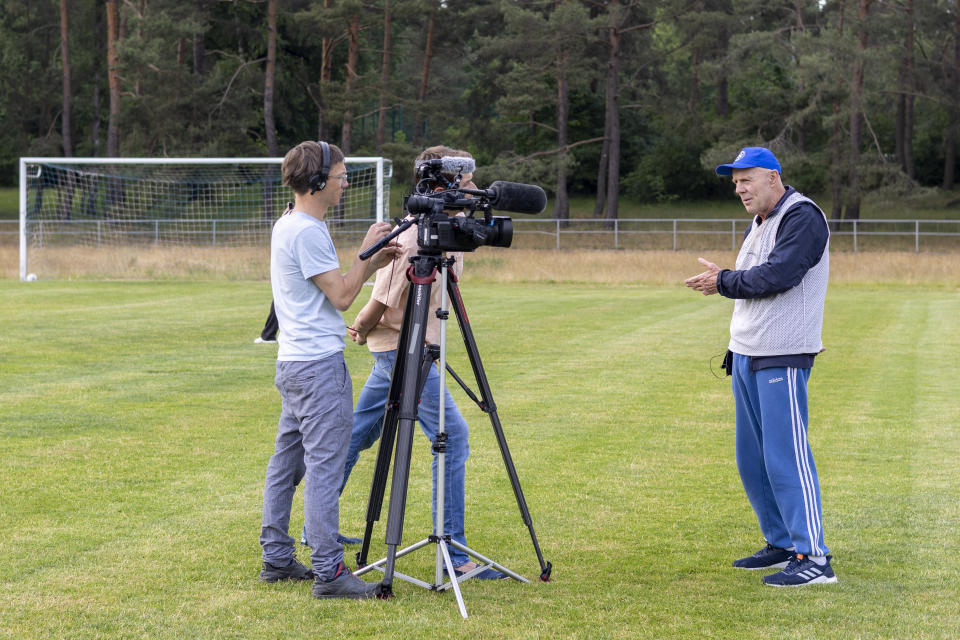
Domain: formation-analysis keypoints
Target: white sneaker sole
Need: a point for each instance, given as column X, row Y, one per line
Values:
column 820, row 580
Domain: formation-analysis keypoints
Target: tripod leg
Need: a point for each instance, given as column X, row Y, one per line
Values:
column 387, row 437
column 488, row 405
column 421, row 275
column 451, row 572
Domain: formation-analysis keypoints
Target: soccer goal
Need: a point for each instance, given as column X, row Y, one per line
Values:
column 74, row 210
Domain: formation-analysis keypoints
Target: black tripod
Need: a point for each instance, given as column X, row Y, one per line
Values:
column 407, row 381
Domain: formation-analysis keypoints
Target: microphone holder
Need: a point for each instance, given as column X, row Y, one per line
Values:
column 409, row 376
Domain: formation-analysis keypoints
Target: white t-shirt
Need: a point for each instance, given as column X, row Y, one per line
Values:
column 311, row 328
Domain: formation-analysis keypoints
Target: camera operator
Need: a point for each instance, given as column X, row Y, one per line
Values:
column 378, row 325
column 309, row 292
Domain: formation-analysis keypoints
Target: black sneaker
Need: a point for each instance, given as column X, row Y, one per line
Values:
column 345, row 585
column 802, row 571
column 291, row 571
column 770, row 557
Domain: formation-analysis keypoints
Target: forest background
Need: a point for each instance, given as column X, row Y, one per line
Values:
column 586, row 98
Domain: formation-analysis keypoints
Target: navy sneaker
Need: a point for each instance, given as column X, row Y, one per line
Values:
column 345, row 585
column 802, row 571
column 293, row 570
column 770, row 557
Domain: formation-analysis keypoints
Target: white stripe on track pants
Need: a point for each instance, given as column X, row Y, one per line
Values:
column 774, row 457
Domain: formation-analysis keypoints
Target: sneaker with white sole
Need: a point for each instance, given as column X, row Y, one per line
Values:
column 260, row 340
column 345, row 585
column 770, row 557
column 293, row 570
column 801, row 571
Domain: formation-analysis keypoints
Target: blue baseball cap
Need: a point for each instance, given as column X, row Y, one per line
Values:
column 750, row 157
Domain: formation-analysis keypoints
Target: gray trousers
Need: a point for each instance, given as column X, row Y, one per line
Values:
column 313, row 437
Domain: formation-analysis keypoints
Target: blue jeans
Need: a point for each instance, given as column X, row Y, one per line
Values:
column 312, row 437
column 368, row 424
column 774, row 456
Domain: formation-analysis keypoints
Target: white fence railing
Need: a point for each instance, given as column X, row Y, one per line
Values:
column 692, row 233
column 634, row 233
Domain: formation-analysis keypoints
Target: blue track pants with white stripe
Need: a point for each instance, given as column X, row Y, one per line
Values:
column 774, row 457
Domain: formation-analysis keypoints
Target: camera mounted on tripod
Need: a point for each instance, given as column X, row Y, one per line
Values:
column 438, row 192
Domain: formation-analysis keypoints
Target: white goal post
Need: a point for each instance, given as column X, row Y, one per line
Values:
column 68, row 204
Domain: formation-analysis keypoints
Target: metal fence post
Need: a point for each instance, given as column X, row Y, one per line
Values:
column 733, row 235
column 917, row 230
column 616, row 233
column 213, row 239
column 98, row 233
column 674, row 234
column 558, row 233
column 854, row 236
column 156, row 233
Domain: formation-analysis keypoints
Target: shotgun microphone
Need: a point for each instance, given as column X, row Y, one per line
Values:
column 515, row 197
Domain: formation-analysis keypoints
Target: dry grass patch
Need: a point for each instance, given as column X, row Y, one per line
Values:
column 502, row 265
column 672, row 267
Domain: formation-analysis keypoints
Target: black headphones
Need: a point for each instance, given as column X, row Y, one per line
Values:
column 319, row 180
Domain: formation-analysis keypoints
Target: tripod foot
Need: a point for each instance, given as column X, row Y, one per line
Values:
column 360, row 564
column 385, row 592
column 545, row 576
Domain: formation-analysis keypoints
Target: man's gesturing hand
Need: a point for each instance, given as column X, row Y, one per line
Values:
column 706, row 282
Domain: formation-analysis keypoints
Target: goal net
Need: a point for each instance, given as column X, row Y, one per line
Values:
column 133, row 217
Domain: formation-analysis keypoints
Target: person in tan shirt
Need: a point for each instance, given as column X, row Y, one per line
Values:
column 378, row 326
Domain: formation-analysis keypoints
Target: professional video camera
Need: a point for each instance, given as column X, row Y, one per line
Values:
column 436, row 194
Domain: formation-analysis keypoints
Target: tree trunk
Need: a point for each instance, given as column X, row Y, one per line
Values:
column 950, row 154
column 65, row 203
column 199, row 54
column 613, row 113
column 905, row 99
column 424, row 79
column 801, row 89
column 561, row 209
column 856, row 115
column 600, row 205
column 950, row 139
column 836, row 163
column 694, row 103
column 723, row 93
column 271, row 177
column 384, row 78
column 353, row 54
column 65, row 62
column 326, row 64
column 113, row 79
column 269, row 79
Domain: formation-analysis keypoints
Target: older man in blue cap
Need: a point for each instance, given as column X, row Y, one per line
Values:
column 779, row 285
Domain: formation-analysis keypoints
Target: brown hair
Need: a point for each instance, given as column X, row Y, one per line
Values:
column 439, row 151
column 304, row 161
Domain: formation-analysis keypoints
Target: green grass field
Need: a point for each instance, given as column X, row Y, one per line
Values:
column 136, row 420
